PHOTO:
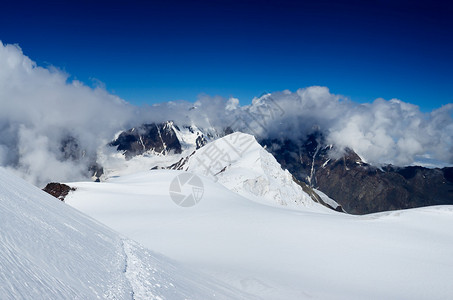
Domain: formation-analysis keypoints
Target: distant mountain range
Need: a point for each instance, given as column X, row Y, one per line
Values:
column 357, row 187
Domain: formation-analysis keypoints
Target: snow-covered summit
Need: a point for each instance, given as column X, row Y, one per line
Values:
column 239, row 163
column 236, row 160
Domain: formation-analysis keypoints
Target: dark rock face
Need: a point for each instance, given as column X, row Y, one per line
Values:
column 160, row 138
column 364, row 189
column 179, row 165
column 200, row 141
column 58, row 190
column 359, row 187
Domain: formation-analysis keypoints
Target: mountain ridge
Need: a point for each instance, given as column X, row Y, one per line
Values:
column 357, row 186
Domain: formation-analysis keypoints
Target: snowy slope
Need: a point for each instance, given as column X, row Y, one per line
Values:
column 48, row 250
column 237, row 161
column 278, row 252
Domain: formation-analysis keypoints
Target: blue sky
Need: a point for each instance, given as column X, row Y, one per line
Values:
column 149, row 52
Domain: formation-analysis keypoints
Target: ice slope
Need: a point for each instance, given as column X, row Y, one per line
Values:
column 49, row 250
column 239, row 163
column 277, row 252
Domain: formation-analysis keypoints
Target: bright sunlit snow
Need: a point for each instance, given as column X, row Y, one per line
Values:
column 48, row 250
column 239, row 163
column 202, row 150
column 278, row 252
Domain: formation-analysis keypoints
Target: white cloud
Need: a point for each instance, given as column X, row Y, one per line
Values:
column 381, row 132
column 39, row 108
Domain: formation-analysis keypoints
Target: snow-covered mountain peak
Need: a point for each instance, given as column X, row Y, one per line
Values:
column 190, row 136
column 238, row 162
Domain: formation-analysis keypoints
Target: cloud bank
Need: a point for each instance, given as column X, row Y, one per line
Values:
column 39, row 109
column 381, row 132
column 52, row 128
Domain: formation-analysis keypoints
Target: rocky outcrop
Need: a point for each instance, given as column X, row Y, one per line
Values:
column 358, row 187
column 363, row 189
column 158, row 138
column 58, row 190
column 200, row 142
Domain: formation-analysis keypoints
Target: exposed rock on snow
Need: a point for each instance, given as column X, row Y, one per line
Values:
column 58, row 190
